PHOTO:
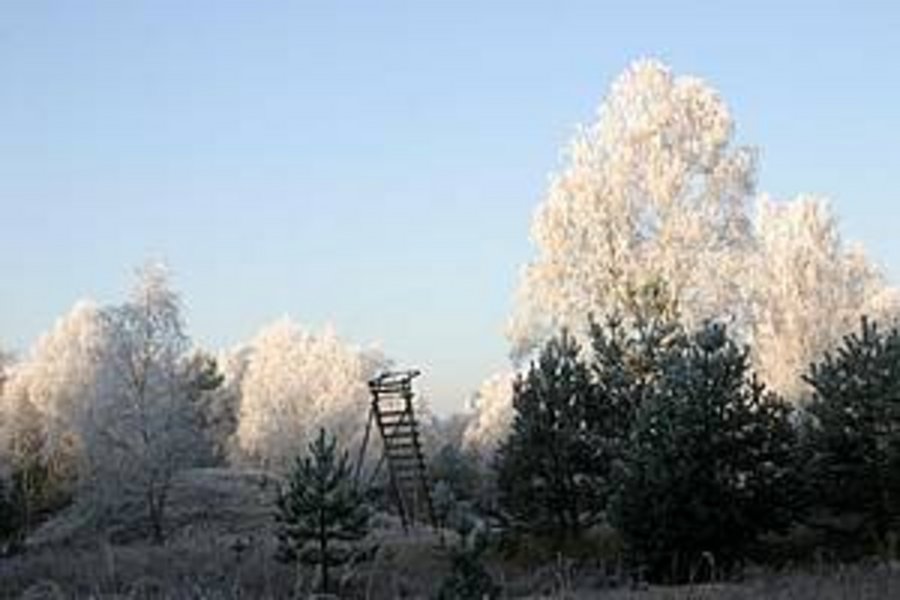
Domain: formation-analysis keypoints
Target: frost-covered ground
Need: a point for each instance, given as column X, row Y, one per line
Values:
column 221, row 545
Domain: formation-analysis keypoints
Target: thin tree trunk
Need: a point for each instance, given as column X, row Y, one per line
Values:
column 323, row 555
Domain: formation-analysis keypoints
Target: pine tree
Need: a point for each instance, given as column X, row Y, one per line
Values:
column 547, row 481
column 854, row 437
column 630, row 350
column 321, row 513
column 212, row 420
column 708, row 467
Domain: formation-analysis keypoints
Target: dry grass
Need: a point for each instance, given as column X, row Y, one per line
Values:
column 405, row 571
column 221, row 545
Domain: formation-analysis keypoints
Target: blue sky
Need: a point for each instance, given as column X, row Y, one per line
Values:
column 376, row 164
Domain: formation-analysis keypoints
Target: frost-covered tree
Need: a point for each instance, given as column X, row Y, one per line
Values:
column 41, row 411
column 140, row 430
column 809, row 288
column 655, row 189
column 492, row 417
column 59, row 378
column 32, row 484
column 297, row 382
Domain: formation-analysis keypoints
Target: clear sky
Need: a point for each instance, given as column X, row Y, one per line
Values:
column 374, row 164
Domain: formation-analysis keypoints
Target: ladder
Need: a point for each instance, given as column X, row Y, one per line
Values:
column 392, row 412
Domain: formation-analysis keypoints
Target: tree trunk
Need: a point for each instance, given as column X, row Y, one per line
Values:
column 323, row 553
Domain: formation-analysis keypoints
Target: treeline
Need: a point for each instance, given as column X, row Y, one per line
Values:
column 111, row 405
column 644, row 441
column 114, row 401
column 654, row 448
column 665, row 440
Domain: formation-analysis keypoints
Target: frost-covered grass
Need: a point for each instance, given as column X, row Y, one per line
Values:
column 203, row 570
column 221, row 544
column 833, row 583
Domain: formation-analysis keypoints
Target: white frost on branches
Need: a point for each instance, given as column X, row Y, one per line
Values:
column 140, row 430
column 655, row 189
column 297, row 381
column 493, row 414
column 107, row 391
column 58, row 380
column 810, row 289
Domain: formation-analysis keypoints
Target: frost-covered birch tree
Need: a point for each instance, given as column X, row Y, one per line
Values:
column 139, row 432
column 493, row 415
column 40, row 407
column 654, row 189
column 810, row 289
column 58, row 378
column 297, row 382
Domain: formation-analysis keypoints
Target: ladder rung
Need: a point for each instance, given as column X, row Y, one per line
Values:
column 388, row 401
column 398, row 444
column 392, row 447
column 392, row 404
column 407, row 457
column 406, row 434
column 401, row 440
column 394, row 413
column 401, row 422
column 400, row 429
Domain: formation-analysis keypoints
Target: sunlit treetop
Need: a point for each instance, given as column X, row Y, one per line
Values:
column 654, row 189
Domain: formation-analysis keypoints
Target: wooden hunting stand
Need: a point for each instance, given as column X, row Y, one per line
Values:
column 392, row 412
